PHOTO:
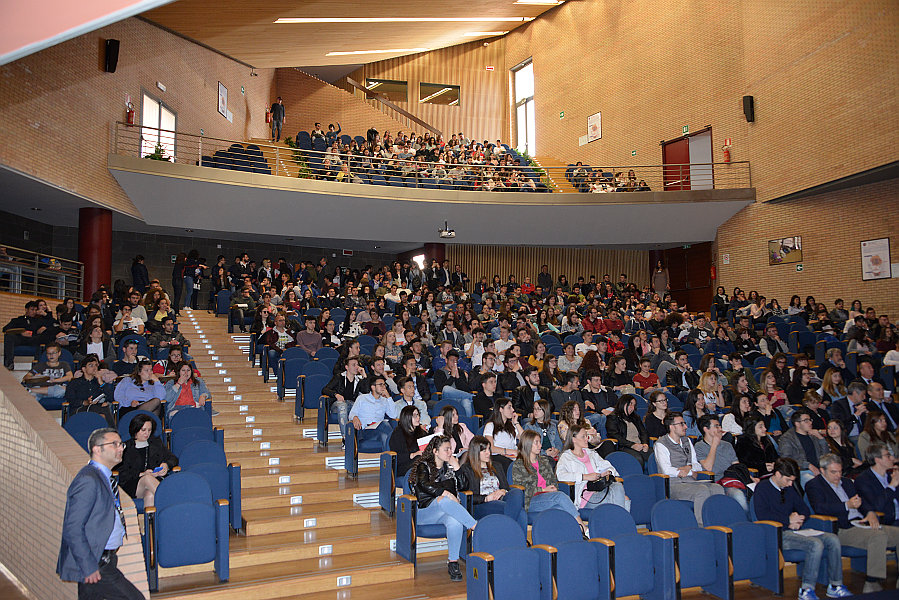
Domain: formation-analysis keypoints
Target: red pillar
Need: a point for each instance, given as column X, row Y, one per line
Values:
column 95, row 247
column 434, row 251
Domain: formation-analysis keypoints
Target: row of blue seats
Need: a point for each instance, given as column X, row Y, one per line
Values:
column 238, row 158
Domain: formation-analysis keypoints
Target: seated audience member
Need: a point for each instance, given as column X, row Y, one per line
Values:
column 811, row 403
column 754, row 448
column 541, row 421
column 858, row 526
column 740, row 409
column 833, row 387
column 484, row 401
column 653, row 422
column 774, row 420
column 866, row 373
column 309, row 339
column 878, row 485
column 535, row 473
column 447, row 424
column 598, row 399
column 694, row 408
column 839, row 444
column 776, row 395
column 370, row 412
column 512, row 375
column 617, row 377
column 566, row 392
column 89, row 393
column 503, row 430
column 584, row 466
column 436, row 483
column 771, row 344
column 163, row 310
column 523, row 397
column 407, row 389
column 453, row 382
column 676, row 458
column 96, row 342
column 804, row 444
column 276, row 340
column 344, row 388
column 404, row 439
column 718, row 455
column 65, row 333
column 128, row 323
column 833, row 359
column 776, row 499
column 141, row 390
column 144, row 453
column 737, row 369
column 168, row 337
column 646, row 379
column 242, row 305
column 682, row 378
column 877, row 401
column 569, row 362
column 47, row 379
column 625, row 426
column 800, row 385
column 166, row 366
column 746, row 345
column 25, row 330
column 137, row 309
column 852, row 410
column 876, row 431
column 129, row 360
column 185, row 391
column 487, row 483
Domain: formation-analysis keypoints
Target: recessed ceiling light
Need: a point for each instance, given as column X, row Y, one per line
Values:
column 390, row 51
column 376, row 247
column 36, row 209
column 294, row 20
column 483, row 33
column 189, row 230
column 435, row 94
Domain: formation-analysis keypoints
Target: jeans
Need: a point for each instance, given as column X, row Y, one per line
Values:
column 52, row 400
column 548, row 500
column 451, row 515
column 814, row 548
column 695, row 491
column 276, row 130
column 463, row 398
column 188, row 291
column 342, row 409
column 738, row 495
column 273, row 357
column 598, row 420
column 382, row 433
column 615, row 496
column 805, row 476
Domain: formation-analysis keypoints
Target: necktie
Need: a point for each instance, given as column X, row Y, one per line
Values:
column 114, row 482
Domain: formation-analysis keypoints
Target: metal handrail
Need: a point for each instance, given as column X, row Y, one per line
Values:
column 39, row 274
column 380, row 98
column 132, row 140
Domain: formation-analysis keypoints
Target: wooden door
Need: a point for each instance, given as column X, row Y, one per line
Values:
column 676, row 158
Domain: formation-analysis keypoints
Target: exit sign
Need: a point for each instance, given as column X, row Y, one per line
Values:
column 489, row 67
column 633, row 153
column 686, row 129
column 562, row 114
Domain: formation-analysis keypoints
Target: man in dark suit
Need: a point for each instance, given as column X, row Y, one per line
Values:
column 879, row 485
column 523, row 397
column 876, row 401
column 851, row 411
column 343, row 389
column 834, row 360
column 94, row 525
column 833, row 495
column 683, row 378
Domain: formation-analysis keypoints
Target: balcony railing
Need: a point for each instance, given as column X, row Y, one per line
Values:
column 26, row 272
column 187, row 148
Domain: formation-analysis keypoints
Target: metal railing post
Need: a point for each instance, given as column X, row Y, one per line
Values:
column 200, row 152
column 277, row 159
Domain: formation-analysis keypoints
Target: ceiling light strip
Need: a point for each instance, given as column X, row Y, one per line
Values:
column 292, row 20
column 390, row 51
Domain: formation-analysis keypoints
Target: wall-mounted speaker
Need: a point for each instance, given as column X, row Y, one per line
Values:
column 112, row 56
column 749, row 108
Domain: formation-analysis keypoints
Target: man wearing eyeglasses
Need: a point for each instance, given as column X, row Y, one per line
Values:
column 879, row 484
column 858, row 525
column 804, row 444
column 94, row 524
column 676, row 458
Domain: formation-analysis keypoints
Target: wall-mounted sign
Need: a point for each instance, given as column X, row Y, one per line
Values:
column 876, row 259
column 594, row 127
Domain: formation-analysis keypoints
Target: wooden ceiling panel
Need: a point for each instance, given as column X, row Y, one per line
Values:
column 246, row 29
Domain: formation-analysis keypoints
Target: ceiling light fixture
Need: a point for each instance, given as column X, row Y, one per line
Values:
column 435, row 94
column 36, row 209
column 483, row 33
column 310, row 20
column 391, row 51
column 540, row 2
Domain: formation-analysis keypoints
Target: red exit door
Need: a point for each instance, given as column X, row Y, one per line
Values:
column 676, row 164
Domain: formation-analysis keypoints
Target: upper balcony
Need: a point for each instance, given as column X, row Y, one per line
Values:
column 225, row 185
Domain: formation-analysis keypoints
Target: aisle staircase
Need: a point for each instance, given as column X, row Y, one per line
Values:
column 305, row 535
column 555, row 171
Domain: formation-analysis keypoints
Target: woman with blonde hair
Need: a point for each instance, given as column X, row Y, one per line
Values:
column 832, row 386
column 712, row 389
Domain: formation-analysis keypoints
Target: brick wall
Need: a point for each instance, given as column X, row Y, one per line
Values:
column 832, row 225
column 57, row 105
column 39, row 462
column 308, row 100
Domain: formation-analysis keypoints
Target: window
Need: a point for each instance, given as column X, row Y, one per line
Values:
column 395, row 91
column 158, row 127
column 525, row 114
column 438, row 93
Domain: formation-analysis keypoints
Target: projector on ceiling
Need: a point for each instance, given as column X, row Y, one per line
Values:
column 446, row 232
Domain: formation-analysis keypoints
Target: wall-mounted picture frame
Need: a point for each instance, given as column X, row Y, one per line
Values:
column 223, row 100
column 785, row 251
column 876, row 259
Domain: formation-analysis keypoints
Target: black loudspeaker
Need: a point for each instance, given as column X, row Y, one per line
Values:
column 749, row 108
column 112, row 55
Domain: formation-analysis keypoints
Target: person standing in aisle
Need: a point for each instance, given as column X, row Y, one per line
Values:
column 277, row 119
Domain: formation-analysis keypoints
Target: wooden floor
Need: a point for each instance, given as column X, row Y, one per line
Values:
column 280, row 553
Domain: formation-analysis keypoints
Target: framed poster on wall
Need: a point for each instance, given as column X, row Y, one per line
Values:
column 785, row 251
column 876, row 259
column 223, row 100
column 594, row 127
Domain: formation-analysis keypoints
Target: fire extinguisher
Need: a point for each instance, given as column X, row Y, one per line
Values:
column 268, row 115
column 727, row 154
column 129, row 113
column 714, row 273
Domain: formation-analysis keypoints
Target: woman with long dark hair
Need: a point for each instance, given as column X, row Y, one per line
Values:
column 487, row 483
column 185, row 391
column 625, row 426
column 840, row 445
column 436, row 483
column 404, row 439
column 143, row 454
column 653, row 422
column 447, row 424
column 754, row 448
column 503, row 431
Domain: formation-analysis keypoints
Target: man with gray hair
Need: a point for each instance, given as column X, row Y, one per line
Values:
column 879, row 484
column 857, row 523
column 852, row 410
column 94, row 524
